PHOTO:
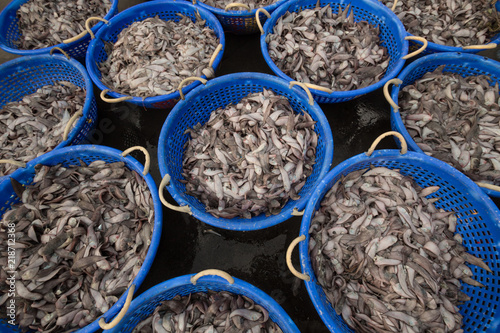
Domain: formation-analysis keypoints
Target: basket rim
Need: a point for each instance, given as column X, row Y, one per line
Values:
column 305, row 262
column 437, row 59
column 22, row 173
column 146, row 7
column 400, row 30
column 235, row 78
column 14, row 6
column 240, row 13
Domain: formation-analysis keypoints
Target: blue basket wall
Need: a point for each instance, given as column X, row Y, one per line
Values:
column 460, row 63
column 144, row 305
column 71, row 156
column 392, row 34
column 166, row 10
column 197, row 108
column 9, row 32
column 478, row 222
column 23, row 76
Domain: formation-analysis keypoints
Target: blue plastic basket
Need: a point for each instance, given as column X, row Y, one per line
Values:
column 478, row 222
column 198, row 106
column 23, row 76
column 144, row 305
column 392, row 36
column 71, row 156
column 460, row 63
column 9, row 32
column 166, row 10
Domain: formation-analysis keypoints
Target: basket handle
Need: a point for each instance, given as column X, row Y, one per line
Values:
column 394, row 5
column 480, row 47
column 396, row 82
column 296, row 212
column 71, row 120
column 216, row 52
column 188, row 79
column 303, row 86
column 148, row 159
column 265, row 12
column 236, row 4
column 404, row 147
column 420, row 50
column 60, row 50
column 19, row 164
column 183, row 209
column 87, row 24
column 121, row 314
column 217, row 272
column 113, row 100
column 289, row 251
column 489, row 186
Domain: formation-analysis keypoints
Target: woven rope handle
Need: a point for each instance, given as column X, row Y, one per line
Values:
column 296, row 212
column 70, row 123
column 404, row 147
column 480, row 47
column 303, row 86
column 216, row 272
column 289, row 251
column 420, row 50
column 265, row 12
column 17, row 163
column 121, row 314
column 60, row 50
column 164, row 182
column 113, row 100
column 387, row 96
column 489, row 186
column 87, row 24
column 189, row 79
column 236, row 4
column 144, row 150
column 216, row 52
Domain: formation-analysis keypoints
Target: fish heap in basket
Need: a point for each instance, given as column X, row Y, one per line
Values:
column 44, row 23
column 250, row 158
column 252, row 4
column 386, row 257
column 151, row 57
column 84, row 231
column 325, row 47
column 35, row 125
column 456, row 120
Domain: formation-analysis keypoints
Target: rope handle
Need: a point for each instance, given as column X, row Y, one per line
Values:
column 320, row 88
column 289, row 251
column 303, row 86
column 19, row 164
column 394, row 5
column 265, row 12
column 236, row 4
column 183, row 209
column 60, row 50
column 216, row 52
column 480, row 47
column 148, row 159
column 87, row 24
column 489, row 186
column 71, row 120
column 217, row 272
column 404, row 147
column 296, row 212
column 420, row 50
column 188, row 79
column 396, row 82
column 113, row 100
column 121, row 314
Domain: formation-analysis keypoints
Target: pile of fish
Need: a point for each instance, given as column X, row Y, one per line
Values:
column 208, row 312
column 456, row 120
column 452, row 22
column 151, row 57
column 252, row 4
column 35, row 125
column 386, row 257
column 327, row 48
column 82, row 233
column 250, row 158
column 44, row 23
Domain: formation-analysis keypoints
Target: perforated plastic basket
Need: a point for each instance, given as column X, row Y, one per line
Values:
column 166, row 10
column 144, row 305
column 460, row 63
column 23, row 76
column 392, row 36
column 198, row 106
column 71, row 156
column 478, row 222
column 9, row 32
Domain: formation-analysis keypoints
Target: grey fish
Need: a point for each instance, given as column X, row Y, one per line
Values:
column 252, row 4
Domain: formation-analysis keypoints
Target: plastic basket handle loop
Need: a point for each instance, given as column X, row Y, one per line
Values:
column 121, row 314
column 404, row 147
column 87, row 24
column 394, row 5
column 148, row 159
column 489, row 186
column 396, row 82
column 303, row 85
column 420, row 50
column 216, row 52
column 236, row 4
column 265, row 12
column 183, row 209
column 296, row 212
column 19, row 164
column 289, row 251
column 480, row 47
column 60, row 50
column 217, row 272
column 73, row 118
column 113, row 100
column 188, row 79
